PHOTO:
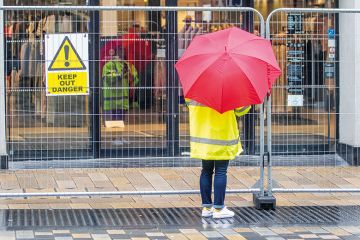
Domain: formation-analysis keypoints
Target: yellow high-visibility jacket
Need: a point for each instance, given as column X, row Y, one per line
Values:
column 214, row 136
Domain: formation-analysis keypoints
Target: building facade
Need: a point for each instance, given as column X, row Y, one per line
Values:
column 40, row 127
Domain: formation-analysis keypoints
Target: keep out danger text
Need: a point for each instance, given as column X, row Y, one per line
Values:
column 63, row 83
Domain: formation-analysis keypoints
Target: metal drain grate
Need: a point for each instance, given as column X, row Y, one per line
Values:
column 170, row 217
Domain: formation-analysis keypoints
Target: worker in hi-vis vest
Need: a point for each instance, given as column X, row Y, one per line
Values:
column 214, row 138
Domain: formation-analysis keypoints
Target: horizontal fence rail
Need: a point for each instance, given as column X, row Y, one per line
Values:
column 116, row 193
column 177, row 192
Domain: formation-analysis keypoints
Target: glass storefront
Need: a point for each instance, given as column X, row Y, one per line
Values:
column 304, row 97
column 135, row 42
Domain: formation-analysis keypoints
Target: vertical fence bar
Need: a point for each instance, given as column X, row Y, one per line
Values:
column 3, row 152
column 337, row 80
column 172, row 127
column 262, row 127
column 268, row 36
column 269, row 164
column 94, row 30
column 259, row 199
column 262, row 144
column 249, row 118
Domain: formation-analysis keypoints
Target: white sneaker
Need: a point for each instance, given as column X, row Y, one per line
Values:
column 207, row 212
column 223, row 213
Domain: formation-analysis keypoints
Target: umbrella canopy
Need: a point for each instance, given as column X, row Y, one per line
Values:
column 228, row 69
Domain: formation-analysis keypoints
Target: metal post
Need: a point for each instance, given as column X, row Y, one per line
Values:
column 337, row 81
column 264, row 199
column 269, row 146
column 154, row 17
column 94, row 57
column 248, row 18
column 3, row 151
column 172, row 122
column 262, row 145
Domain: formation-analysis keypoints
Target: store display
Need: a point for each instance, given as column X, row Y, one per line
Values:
column 118, row 75
column 26, row 46
column 295, row 60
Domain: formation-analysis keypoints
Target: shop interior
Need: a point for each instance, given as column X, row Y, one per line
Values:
column 134, row 43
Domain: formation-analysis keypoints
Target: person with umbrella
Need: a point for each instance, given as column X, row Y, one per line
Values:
column 222, row 74
column 214, row 138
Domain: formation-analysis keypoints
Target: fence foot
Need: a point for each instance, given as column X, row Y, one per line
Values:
column 4, row 162
column 264, row 202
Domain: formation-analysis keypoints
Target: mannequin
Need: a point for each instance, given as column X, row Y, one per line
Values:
column 184, row 37
column 117, row 76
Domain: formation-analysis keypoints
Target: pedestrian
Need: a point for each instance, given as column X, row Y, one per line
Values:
column 214, row 138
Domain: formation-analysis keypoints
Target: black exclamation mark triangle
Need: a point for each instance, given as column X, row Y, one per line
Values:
column 66, row 52
column 68, row 49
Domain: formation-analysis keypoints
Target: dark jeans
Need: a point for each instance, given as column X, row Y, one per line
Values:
column 220, row 180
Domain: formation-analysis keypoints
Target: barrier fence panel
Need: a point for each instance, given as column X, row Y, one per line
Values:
column 65, row 64
column 312, row 118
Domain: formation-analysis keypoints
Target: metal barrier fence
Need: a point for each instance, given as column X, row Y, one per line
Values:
column 311, row 116
column 74, row 124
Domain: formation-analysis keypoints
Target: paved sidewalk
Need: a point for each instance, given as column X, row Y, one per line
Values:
column 151, row 179
column 19, row 216
column 251, row 233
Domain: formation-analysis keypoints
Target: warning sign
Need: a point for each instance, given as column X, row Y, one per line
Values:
column 66, row 58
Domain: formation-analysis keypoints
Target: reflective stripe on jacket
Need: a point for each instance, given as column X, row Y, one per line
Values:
column 214, row 136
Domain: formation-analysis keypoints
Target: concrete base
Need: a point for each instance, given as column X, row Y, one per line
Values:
column 349, row 153
column 264, row 202
column 4, row 162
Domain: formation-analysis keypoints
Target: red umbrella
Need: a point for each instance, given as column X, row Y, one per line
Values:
column 228, row 69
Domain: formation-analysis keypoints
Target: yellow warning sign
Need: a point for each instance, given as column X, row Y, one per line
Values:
column 66, row 58
column 67, row 66
column 67, row 83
